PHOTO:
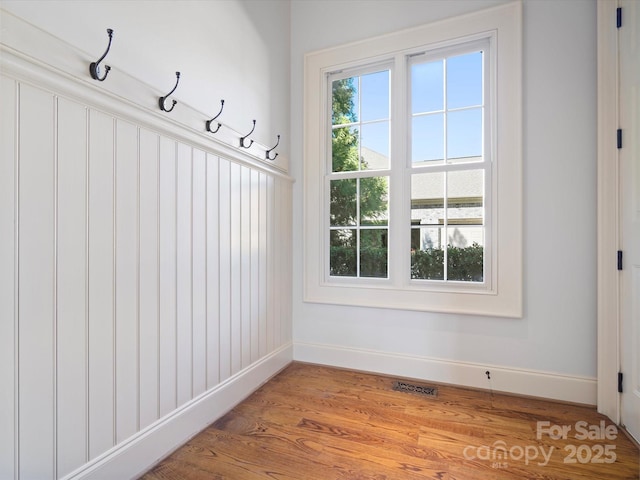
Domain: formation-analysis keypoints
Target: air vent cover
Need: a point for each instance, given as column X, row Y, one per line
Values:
column 413, row 388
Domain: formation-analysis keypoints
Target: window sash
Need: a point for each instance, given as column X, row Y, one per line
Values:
column 359, row 174
column 485, row 164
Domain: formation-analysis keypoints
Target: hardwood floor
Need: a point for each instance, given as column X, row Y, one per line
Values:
column 315, row 422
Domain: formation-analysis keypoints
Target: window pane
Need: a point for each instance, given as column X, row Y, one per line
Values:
column 465, row 193
column 375, row 146
column 343, row 206
column 465, row 220
column 374, row 195
column 427, row 138
column 464, row 237
column 464, row 80
column 373, row 253
column 424, row 238
column 374, row 94
column 464, row 135
column 427, row 220
column 465, row 264
column 344, row 149
column 427, row 260
column 344, row 102
column 427, row 87
column 343, row 251
column 427, row 198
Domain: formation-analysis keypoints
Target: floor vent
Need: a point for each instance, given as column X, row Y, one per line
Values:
column 417, row 389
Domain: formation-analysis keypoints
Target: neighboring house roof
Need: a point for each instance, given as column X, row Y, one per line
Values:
column 427, row 189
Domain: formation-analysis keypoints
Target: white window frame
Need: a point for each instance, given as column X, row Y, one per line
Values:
column 470, row 44
column 501, row 293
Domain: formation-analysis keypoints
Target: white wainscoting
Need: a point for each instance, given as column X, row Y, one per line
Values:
column 144, row 280
column 134, row 456
column 547, row 385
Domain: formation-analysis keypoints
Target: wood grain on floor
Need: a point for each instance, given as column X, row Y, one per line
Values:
column 314, row 422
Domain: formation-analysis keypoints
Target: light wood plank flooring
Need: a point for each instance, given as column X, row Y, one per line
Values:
column 314, row 422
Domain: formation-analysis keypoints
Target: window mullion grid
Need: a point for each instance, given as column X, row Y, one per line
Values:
column 400, row 175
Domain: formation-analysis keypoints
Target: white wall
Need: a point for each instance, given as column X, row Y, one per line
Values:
column 144, row 266
column 236, row 50
column 552, row 350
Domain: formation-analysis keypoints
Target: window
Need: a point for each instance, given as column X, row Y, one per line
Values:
column 449, row 120
column 413, row 168
column 359, row 178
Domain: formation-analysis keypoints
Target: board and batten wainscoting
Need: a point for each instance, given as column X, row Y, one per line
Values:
column 144, row 276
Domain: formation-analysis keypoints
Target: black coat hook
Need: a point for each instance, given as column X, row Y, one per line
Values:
column 94, row 67
column 161, row 100
column 242, row 139
column 209, row 122
column 272, row 149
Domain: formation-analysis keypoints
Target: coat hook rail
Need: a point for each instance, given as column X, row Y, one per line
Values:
column 242, row 139
column 209, row 122
column 94, row 67
column 162, row 100
column 268, row 152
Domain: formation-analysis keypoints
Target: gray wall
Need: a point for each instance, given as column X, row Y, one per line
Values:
column 558, row 331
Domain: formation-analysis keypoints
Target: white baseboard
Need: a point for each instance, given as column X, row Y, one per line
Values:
column 136, row 455
column 548, row 385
